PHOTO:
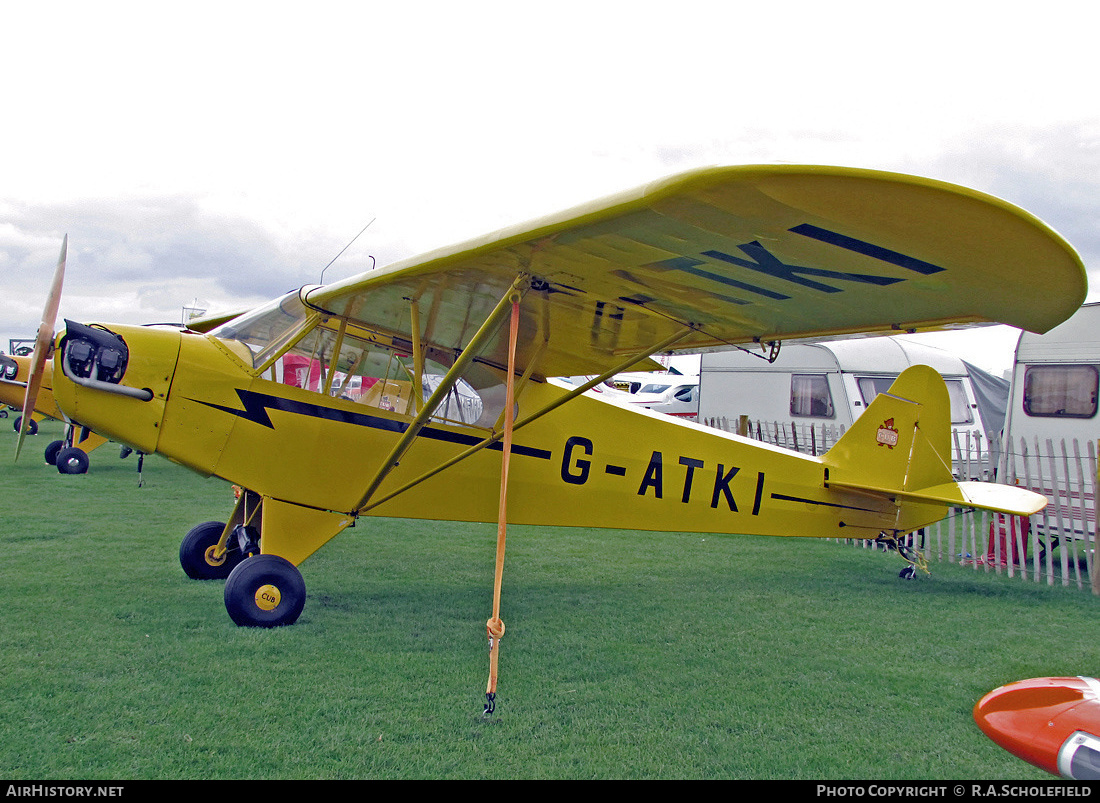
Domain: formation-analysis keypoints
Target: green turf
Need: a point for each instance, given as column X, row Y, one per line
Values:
column 627, row 655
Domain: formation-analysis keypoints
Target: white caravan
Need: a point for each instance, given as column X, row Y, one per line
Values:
column 1055, row 382
column 1051, row 431
column 812, row 392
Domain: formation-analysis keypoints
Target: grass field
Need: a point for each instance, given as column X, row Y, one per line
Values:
column 627, row 655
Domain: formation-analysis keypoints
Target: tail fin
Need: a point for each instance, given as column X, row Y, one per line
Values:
column 901, row 447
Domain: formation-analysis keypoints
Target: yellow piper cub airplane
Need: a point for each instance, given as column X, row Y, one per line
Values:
column 420, row 390
column 70, row 455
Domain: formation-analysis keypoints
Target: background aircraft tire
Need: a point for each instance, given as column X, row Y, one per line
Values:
column 265, row 591
column 52, row 451
column 32, row 429
column 195, row 553
column 72, row 460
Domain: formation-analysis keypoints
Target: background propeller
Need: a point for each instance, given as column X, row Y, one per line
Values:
column 42, row 343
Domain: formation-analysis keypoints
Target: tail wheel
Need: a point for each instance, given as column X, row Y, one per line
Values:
column 265, row 591
column 198, row 555
column 72, row 460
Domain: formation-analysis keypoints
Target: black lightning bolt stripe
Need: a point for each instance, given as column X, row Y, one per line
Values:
column 256, row 406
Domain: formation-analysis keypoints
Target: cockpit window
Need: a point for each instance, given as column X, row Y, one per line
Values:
column 296, row 346
column 350, row 363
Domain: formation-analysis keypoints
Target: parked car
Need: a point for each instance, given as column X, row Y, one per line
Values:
column 671, row 394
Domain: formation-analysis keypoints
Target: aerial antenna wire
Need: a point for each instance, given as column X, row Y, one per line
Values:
column 345, row 248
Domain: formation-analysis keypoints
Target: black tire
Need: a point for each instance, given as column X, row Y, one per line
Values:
column 52, row 451
column 196, row 553
column 32, row 428
column 265, row 591
column 72, row 460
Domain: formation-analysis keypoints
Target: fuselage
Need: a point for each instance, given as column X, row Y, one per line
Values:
column 586, row 463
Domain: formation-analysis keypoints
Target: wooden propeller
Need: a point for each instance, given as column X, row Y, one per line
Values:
column 42, row 343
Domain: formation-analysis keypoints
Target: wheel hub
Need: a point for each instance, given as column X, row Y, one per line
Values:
column 268, row 597
column 212, row 557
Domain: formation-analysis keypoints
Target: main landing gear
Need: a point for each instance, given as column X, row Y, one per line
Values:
column 68, row 459
column 199, row 554
column 265, row 591
column 260, row 590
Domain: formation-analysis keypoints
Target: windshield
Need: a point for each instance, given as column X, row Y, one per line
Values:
column 267, row 329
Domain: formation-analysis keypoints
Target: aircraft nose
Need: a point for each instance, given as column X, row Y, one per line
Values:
column 115, row 379
column 98, row 358
column 1044, row 721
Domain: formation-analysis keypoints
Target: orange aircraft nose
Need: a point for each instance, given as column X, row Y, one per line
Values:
column 1053, row 723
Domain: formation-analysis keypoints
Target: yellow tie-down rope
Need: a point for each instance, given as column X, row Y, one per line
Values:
column 494, row 626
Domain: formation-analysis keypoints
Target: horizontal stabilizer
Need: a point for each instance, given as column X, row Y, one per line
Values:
column 982, row 495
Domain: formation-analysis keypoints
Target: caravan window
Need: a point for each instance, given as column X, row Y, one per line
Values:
column 810, row 396
column 871, row 386
column 1061, row 391
column 961, row 413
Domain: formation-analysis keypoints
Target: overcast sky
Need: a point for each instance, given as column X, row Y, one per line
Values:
column 226, row 152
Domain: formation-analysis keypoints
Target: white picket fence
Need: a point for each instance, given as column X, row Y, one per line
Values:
column 1055, row 546
column 812, row 439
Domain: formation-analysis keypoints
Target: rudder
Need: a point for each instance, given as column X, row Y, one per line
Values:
column 902, row 441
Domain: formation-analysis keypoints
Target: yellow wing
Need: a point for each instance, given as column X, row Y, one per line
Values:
column 738, row 255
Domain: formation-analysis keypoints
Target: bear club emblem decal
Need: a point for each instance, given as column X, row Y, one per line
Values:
column 887, row 434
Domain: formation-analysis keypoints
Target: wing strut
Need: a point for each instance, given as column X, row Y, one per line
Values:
column 495, row 626
column 418, row 356
column 497, row 436
column 473, row 348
